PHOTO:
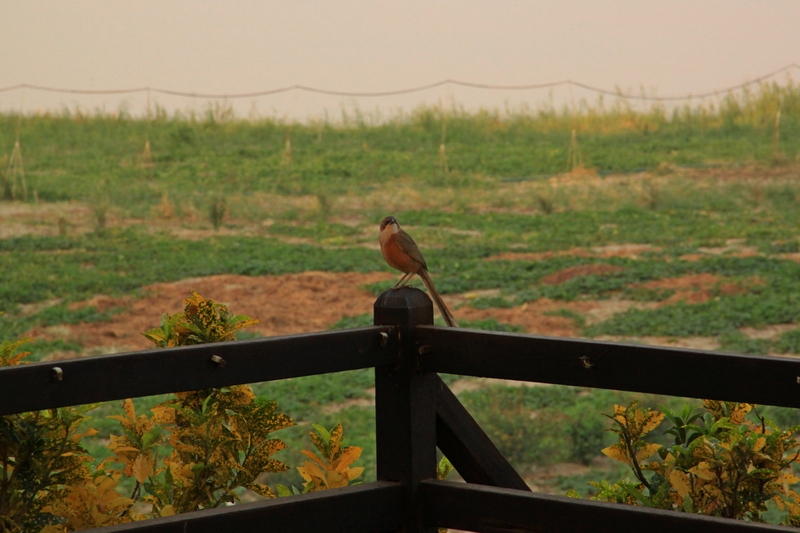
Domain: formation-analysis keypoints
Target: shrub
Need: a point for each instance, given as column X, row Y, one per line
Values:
column 198, row 450
column 720, row 464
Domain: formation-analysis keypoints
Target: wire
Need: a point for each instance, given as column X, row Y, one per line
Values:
column 396, row 92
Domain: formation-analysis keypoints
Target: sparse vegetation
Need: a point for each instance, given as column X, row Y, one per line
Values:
column 702, row 186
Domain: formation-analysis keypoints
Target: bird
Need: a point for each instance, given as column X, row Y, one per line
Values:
column 402, row 253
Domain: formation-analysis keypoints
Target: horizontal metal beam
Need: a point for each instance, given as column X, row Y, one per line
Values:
column 676, row 372
column 494, row 510
column 359, row 508
column 110, row 377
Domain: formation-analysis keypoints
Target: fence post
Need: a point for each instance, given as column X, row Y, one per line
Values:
column 405, row 404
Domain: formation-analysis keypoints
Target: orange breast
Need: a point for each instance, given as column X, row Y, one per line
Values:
column 396, row 257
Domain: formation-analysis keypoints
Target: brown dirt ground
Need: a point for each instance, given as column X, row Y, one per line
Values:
column 699, row 288
column 283, row 304
column 293, row 303
column 569, row 273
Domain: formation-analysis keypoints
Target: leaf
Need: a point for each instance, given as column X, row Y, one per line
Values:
column 615, row 451
column 646, row 451
column 143, row 467
column 130, row 412
column 150, row 437
column 679, row 481
column 444, row 468
column 158, row 336
column 688, row 504
column 348, row 456
column 336, row 438
column 265, row 491
column 703, row 471
column 7, row 356
column 790, row 478
column 314, row 457
column 355, row 472
column 760, row 442
column 163, row 414
column 310, row 470
column 652, row 421
column 167, row 510
column 321, row 443
column 740, row 412
column 119, row 449
column 89, row 433
column 322, row 431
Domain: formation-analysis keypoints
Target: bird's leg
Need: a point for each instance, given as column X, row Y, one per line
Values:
column 404, row 280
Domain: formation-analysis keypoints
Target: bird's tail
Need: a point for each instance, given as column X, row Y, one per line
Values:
column 446, row 314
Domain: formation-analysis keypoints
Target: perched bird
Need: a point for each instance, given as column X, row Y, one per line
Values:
column 401, row 252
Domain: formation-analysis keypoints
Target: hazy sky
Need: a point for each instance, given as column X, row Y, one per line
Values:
column 664, row 47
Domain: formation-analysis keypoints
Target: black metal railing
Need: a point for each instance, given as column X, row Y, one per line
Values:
column 415, row 414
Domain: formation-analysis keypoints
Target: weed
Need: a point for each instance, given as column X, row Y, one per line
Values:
column 545, row 203
column 579, row 319
column 737, row 342
column 357, row 321
column 491, row 302
column 563, row 421
column 490, row 324
column 788, row 342
column 100, row 209
column 713, row 318
column 217, row 211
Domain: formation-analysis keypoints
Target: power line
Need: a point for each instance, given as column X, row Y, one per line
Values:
column 396, row 92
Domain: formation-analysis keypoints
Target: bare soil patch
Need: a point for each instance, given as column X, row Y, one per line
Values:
column 580, row 270
column 541, row 318
column 767, row 332
column 44, row 219
column 699, row 288
column 293, row 303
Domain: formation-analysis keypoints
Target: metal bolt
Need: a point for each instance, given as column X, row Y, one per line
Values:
column 58, row 374
column 383, row 338
column 425, row 348
column 587, row 363
column 219, row 360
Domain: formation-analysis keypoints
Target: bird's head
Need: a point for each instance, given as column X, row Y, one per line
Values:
column 387, row 221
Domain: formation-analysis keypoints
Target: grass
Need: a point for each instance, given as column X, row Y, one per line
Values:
column 736, row 342
column 565, row 423
column 318, row 210
column 198, row 159
column 715, row 317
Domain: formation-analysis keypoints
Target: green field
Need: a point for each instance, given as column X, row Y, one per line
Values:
column 713, row 191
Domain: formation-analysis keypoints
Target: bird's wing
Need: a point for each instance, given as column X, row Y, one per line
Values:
column 408, row 245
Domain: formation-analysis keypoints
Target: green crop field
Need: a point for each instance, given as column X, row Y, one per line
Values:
column 677, row 227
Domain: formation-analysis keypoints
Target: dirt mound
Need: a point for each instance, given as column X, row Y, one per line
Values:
column 313, row 301
column 699, row 288
column 580, row 270
column 293, row 303
column 548, row 317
